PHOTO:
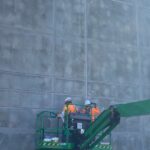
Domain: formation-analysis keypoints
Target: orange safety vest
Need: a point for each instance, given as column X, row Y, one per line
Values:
column 70, row 108
column 95, row 111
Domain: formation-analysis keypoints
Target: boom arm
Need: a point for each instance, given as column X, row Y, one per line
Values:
column 134, row 109
column 110, row 118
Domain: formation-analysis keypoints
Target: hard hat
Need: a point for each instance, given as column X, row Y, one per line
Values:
column 68, row 99
column 87, row 102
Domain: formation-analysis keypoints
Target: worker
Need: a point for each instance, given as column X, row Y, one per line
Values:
column 91, row 109
column 87, row 107
column 95, row 111
column 69, row 107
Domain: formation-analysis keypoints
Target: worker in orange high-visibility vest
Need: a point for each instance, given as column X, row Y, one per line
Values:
column 95, row 111
column 69, row 107
column 91, row 109
column 87, row 107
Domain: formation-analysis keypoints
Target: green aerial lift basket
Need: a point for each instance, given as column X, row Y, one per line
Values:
column 47, row 124
column 53, row 134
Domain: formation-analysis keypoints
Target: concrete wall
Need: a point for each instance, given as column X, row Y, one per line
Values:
column 50, row 49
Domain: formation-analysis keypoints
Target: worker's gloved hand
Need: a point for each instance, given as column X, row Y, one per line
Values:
column 82, row 131
column 58, row 115
column 61, row 115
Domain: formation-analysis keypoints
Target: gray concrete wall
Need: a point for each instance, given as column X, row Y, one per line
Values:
column 50, row 49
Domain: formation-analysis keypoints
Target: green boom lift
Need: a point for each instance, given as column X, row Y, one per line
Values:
column 78, row 133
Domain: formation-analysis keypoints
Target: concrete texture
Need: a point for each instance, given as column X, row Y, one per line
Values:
column 127, row 141
column 50, row 49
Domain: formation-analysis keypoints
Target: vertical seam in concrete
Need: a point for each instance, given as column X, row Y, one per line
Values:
column 54, row 47
column 86, row 51
column 138, row 49
column 140, row 63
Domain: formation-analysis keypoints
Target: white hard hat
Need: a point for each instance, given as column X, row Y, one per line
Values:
column 87, row 102
column 68, row 99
